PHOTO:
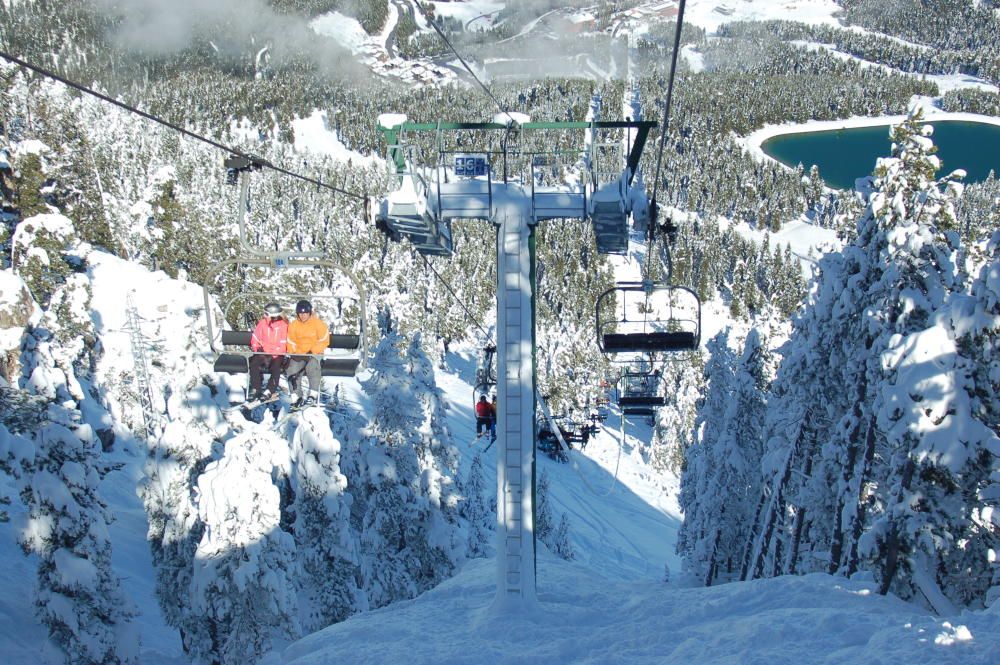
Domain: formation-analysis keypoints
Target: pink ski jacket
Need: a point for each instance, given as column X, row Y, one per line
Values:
column 270, row 337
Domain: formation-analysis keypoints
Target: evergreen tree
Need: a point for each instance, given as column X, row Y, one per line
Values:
column 561, row 545
column 79, row 598
column 897, row 462
column 324, row 540
column 175, row 529
column 544, row 521
column 732, row 480
column 913, row 251
column 698, row 498
column 243, row 582
column 981, row 345
column 409, row 541
column 478, row 510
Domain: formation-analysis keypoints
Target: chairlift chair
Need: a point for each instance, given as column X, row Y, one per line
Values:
column 347, row 352
column 486, row 374
column 639, row 392
column 342, row 358
column 648, row 317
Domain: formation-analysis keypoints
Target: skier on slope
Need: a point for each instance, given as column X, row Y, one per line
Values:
column 269, row 342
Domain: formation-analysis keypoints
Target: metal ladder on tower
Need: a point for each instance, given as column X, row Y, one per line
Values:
column 143, row 387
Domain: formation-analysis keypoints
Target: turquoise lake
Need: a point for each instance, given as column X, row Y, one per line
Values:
column 845, row 154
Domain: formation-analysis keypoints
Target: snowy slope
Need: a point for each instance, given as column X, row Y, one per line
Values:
column 587, row 617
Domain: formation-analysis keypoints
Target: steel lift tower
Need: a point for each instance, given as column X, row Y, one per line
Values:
column 514, row 188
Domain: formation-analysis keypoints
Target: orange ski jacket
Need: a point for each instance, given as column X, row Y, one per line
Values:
column 311, row 336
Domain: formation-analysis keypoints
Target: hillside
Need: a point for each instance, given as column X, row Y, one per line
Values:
column 819, row 480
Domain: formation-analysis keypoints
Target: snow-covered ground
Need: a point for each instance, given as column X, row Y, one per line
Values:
column 468, row 10
column 377, row 51
column 587, row 616
column 710, row 14
column 317, row 134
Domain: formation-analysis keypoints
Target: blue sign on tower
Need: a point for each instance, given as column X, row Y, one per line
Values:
column 470, row 165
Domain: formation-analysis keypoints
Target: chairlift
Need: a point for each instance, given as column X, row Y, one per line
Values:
column 639, row 392
column 486, row 373
column 346, row 353
column 648, row 317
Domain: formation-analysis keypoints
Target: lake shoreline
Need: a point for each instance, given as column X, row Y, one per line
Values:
column 776, row 135
column 754, row 142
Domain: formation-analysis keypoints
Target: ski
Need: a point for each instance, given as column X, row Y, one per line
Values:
column 250, row 406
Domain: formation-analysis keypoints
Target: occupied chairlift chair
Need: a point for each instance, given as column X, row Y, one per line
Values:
column 346, row 352
column 639, row 392
column 486, row 374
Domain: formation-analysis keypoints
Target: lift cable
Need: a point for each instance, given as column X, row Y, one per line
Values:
column 177, row 128
column 468, row 313
column 665, row 128
column 441, row 34
column 670, row 94
column 239, row 153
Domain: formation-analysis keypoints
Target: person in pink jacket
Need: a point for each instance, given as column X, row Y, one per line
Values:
column 269, row 343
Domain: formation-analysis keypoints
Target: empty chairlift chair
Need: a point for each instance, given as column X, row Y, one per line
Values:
column 648, row 317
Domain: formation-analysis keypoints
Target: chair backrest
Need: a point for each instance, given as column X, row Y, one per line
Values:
column 236, row 337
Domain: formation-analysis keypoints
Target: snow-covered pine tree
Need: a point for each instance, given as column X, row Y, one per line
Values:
column 438, row 455
column 734, row 478
column 886, row 438
column 478, row 510
column 79, row 597
column 556, row 537
column 914, row 255
column 674, row 429
column 982, row 346
column 325, row 543
column 561, row 545
column 808, row 397
column 698, row 498
column 408, row 540
column 177, row 458
column 16, row 453
column 244, row 576
column 544, row 521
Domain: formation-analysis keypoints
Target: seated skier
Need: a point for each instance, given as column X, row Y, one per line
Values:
column 269, row 342
column 308, row 337
column 484, row 416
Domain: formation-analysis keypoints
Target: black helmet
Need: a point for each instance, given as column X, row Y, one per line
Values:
column 272, row 309
column 303, row 306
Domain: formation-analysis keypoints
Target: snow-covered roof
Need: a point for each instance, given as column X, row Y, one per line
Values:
column 391, row 120
column 511, row 116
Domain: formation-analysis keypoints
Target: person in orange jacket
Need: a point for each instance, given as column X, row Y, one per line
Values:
column 308, row 337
